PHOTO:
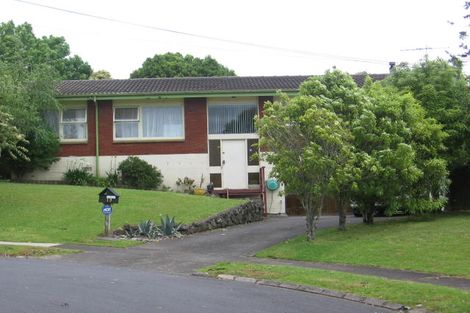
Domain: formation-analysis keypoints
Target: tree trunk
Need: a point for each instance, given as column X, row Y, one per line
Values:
column 368, row 217
column 313, row 215
column 342, row 208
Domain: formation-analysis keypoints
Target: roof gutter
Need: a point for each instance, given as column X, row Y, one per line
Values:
column 172, row 96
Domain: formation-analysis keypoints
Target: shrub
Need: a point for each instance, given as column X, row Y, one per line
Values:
column 79, row 174
column 187, row 184
column 139, row 174
column 168, row 226
column 112, row 179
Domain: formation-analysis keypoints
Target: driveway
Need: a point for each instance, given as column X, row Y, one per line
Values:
column 190, row 253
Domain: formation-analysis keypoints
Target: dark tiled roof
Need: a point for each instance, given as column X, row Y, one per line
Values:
column 186, row 85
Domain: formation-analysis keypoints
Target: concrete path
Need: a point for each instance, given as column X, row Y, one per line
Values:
column 29, row 244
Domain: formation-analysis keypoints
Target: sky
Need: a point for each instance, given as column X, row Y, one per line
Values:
column 296, row 37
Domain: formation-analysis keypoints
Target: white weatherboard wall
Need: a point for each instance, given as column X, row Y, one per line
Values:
column 275, row 199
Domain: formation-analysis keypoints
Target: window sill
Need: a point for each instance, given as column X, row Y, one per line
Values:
column 142, row 140
column 73, row 141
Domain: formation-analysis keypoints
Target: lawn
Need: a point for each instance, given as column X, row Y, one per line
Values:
column 24, row 251
column 437, row 244
column 438, row 299
column 72, row 214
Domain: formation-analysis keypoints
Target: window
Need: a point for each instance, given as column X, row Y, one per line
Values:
column 149, row 122
column 232, row 119
column 253, row 179
column 214, row 153
column 70, row 123
column 251, row 151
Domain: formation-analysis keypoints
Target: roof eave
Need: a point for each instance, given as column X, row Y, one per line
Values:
column 205, row 94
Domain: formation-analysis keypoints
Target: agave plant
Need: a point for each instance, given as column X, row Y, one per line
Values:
column 168, row 226
column 149, row 229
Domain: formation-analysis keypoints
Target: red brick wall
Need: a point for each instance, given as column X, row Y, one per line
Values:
column 83, row 149
column 261, row 101
column 195, row 120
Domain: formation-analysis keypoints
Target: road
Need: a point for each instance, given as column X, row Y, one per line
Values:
column 46, row 286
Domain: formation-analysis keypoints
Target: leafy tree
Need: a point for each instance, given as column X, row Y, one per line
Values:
column 177, row 65
column 25, row 95
column 347, row 101
column 19, row 46
column 101, row 74
column 10, row 138
column 307, row 144
column 442, row 90
column 399, row 155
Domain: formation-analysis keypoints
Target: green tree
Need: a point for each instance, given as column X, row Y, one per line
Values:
column 10, row 138
column 25, row 94
column 19, row 46
column 101, row 74
column 307, row 144
column 177, row 65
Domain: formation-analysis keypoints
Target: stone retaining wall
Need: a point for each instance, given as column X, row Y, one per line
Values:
column 249, row 212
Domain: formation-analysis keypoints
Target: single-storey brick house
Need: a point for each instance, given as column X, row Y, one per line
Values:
column 184, row 126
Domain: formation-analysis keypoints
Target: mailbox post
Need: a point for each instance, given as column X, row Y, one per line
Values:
column 107, row 197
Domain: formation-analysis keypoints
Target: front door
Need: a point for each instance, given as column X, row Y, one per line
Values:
column 234, row 164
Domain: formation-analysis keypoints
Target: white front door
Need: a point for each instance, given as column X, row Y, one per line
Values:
column 234, row 164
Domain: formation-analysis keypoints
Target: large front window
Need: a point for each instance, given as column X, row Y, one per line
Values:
column 149, row 122
column 232, row 118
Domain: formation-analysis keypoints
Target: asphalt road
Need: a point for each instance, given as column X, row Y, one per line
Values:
column 46, row 286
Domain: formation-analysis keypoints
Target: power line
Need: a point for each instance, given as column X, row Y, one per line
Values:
column 206, row 37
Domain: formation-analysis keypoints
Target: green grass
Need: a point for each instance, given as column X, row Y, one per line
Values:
column 438, row 299
column 72, row 214
column 439, row 244
column 15, row 251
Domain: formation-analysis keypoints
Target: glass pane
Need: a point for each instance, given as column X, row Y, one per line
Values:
column 232, row 119
column 126, row 129
column 252, row 151
column 74, row 115
column 216, row 179
column 52, row 120
column 253, row 178
column 123, row 114
column 74, row 131
column 162, row 121
column 214, row 153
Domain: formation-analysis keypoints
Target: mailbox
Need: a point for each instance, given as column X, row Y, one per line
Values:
column 108, row 196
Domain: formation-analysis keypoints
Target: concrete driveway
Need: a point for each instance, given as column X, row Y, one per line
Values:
column 190, row 253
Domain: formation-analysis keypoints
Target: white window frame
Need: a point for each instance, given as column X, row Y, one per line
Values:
column 62, row 123
column 140, row 131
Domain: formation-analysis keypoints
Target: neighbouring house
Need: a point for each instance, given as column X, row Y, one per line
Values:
column 184, row 126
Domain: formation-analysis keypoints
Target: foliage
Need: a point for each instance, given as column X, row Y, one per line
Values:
column 79, row 174
column 307, row 144
column 149, row 229
column 112, row 178
column 19, row 46
column 442, row 89
column 177, row 65
column 139, row 174
column 101, row 74
column 187, row 184
column 168, row 226
column 25, row 95
column 10, row 138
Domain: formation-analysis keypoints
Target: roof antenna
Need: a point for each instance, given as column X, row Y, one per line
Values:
column 426, row 49
column 391, row 66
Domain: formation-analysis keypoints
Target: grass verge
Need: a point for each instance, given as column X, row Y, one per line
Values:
column 438, row 299
column 25, row 251
column 72, row 214
column 436, row 244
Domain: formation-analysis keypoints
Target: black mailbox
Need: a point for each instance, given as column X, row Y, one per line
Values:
column 108, row 196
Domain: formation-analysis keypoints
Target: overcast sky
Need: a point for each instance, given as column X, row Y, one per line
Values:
column 354, row 36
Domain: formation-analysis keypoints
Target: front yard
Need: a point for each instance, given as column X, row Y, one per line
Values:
column 71, row 214
column 436, row 244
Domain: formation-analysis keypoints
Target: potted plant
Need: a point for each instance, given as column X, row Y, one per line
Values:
column 199, row 190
